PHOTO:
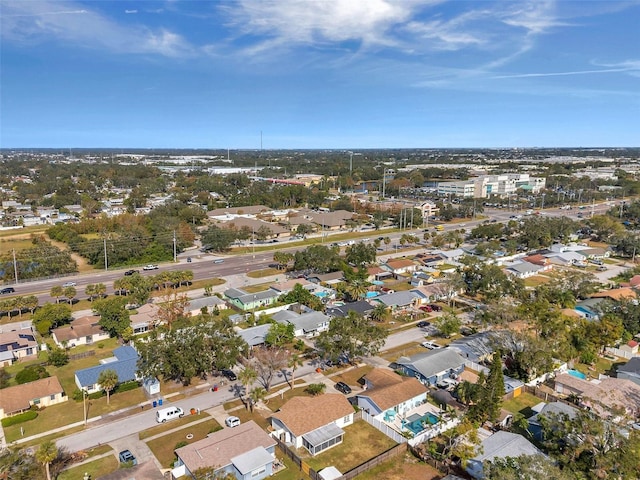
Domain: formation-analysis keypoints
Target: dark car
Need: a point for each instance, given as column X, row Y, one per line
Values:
column 126, row 456
column 229, row 374
column 343, row 387
column 130, row 272
column 6, row 290
column 423, row 324
column 435, row 308
column 426, row 308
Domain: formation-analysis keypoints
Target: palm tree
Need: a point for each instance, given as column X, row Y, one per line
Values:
column 90, row 291
column 247, row 376
column 256, row 395
column 56, row 292
column 108, row 379
column 379, row 313
column 100, row 289
column 357, row 288
column 70, row 293
column 47, row 453
column 294, row 362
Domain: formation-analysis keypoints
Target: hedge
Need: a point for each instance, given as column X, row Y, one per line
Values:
column 21, row 417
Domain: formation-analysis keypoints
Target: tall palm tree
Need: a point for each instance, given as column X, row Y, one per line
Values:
column 108, row 379
column 256, row 395
column 247, row 376
column 294, row 362
column 56, row 292
column 47, row 452
column 379, row 312
column 357, row 288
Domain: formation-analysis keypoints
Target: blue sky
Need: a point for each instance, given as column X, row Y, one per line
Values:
column 319, row 74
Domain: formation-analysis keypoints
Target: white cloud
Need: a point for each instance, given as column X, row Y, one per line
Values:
column 34, row 22
column 130, row 11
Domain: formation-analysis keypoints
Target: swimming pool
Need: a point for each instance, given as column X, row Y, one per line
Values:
column 372, row 294
column 577, row 374
column 416, row 423
column 377, row 282
column 321, row 294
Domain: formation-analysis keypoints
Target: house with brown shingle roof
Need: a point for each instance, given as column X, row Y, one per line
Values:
column 624, row 293
column 145, row 318
column 386, row 390
column 331, row 220
column 41, row 393
column 17, row 345
column 81, row 331
column 400, row 266
column 245, row 451
column 314, row 423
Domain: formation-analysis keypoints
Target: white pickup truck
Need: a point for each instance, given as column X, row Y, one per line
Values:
column 150, row 267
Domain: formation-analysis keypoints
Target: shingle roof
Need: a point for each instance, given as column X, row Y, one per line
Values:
column 304, row 414
column 382, row 377
column 400, row 299
column 16, row 398
column 125, row 366
column 433, row 362
column 616, row 293
column 505, row 444
column 361, row 306
column 632, row 366
column 392, row 395
column 219, row 448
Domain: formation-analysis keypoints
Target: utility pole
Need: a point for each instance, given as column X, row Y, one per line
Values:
column 175, row 256
column 106, row 264
column 15, row 265
column 384, row 182
column 351, row 164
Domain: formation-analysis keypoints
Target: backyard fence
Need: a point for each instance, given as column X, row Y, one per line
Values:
column 382, row 427
column 374, row 462
column 76, row 356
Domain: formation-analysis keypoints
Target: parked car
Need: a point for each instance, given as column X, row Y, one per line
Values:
column 426, row 308
column 423, row 324
column 343, row 387
column 219, row 260
column 150, row 267
column 130, row 272
column 188, row 259
column 69, row 284
column 230, row 374
column 125, row 456
column 232, row 422
column 6, row 290
column 430, row 345
column 435, row 308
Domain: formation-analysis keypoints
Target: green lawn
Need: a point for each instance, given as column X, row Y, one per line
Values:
column 352, row 376
column 95, row 469
column 361, row 442
column 164, row 446
column 164, row 427
column 265, row 272
column 522, row 404
column 535, row 280
column 405, row 350
column 292, row 472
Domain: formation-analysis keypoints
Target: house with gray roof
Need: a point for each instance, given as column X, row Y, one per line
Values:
column 630, row 370
column 396, row 300
column 254, row 336
column 250, row 301
column 124, row 362
column 197, row 306
column 433, row 366
column 523, row 269
column 499, row 445
column 475, row 348
column 245, row 451
column 549, row 410
column 307, row 324
column 361, row 307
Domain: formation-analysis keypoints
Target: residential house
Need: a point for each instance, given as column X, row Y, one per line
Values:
column 361, row 307
column 145, row 318
column 386, row 390
column 631, row 347
column 254, row 225
column 250, row 301
column 208, row 304
column 438, row 291
column 245, row 451
column 17, row 345
column 376, row 273
column 589, row 308
column 400, row 267
column 595, row 253
column 254, row 336
column 501, row 444
column 433, row 366
column 337, row 220
column 283, row 288
column 419, row 279
column 606, row 397
column 549, row 410
column 224, row 214
column 81, row 331
column 40, row 393
column 429, row 259
column 477, row 348
column 523, row 269
column 451, row 256
column 630, row 370
column 540, row 260
column 314, row 423
column 617, row 294
column 331, row 278
column 398, row 300
column 307, row 324
column 124, row 362
column 566, row 258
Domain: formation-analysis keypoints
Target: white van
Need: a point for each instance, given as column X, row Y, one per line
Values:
column 169, row 414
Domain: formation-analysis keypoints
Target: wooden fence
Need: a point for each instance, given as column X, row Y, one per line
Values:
column 369, row 464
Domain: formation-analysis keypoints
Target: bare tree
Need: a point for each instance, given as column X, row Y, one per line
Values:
column 267, row 362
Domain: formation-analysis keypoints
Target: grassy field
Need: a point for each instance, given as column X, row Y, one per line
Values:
column 351, row 377
column 536, row 280
column 361, row 442
column 291, row 472
column 165, row 427
column 522, row 404
column 406, row 350
column 163, row 447
column 404, row 467
column 261, row 287
column 265, row 272
column 95, row 469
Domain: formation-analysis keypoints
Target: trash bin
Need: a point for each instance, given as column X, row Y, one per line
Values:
column 215, row 387
column 160, row 402
column 155, row 404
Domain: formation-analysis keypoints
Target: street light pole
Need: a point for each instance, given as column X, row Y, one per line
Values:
column 84, row 404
